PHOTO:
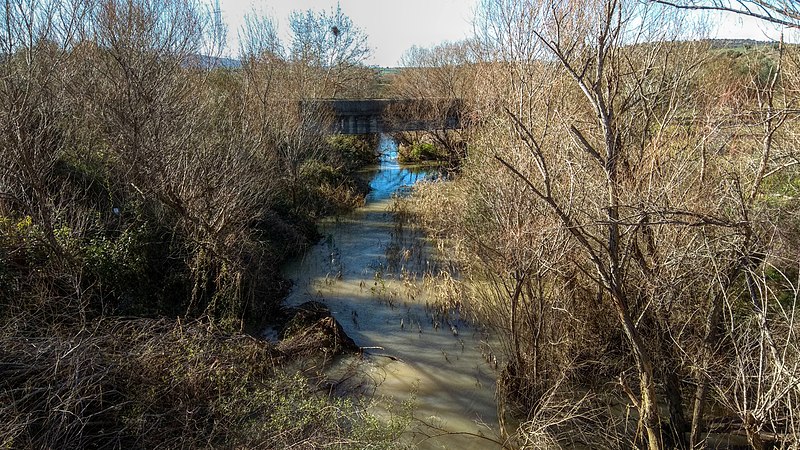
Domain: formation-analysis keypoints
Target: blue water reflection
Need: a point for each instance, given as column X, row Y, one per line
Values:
column 393, row 179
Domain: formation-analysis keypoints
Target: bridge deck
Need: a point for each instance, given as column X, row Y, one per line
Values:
column 387, row 115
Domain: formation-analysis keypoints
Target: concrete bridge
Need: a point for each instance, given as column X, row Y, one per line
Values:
column 388, row 115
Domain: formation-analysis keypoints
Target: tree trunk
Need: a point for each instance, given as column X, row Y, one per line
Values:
column 710, row 340
column 648, row 406
column 677, row 419
column 697, row 410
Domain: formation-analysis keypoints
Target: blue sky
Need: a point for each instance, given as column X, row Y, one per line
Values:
column 393, row 26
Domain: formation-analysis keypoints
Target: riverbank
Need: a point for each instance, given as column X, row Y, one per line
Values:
column 91, row 354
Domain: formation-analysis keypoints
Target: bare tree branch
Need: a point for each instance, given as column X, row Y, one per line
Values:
column 780, row 12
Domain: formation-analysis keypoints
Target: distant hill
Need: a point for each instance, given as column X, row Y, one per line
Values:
column 208, row 62
column 738, row 43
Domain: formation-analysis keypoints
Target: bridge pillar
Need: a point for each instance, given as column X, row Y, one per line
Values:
column 362, row 124
column 373, row 125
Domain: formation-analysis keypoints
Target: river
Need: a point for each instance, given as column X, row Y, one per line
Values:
column 382, row 303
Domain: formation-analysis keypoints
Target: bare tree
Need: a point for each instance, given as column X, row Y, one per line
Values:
column 289, row 132
column 608, row 68
column 641, row 191
column 328, row 47
column 442, row 80
column 37, row 64
column 152, row 95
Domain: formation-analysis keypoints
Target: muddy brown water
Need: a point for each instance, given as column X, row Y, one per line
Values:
column 382, row 304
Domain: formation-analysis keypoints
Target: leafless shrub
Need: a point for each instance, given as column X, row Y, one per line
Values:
column 441, row 80
column 597, row 165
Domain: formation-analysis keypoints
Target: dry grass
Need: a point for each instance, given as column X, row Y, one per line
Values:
column 164, row 384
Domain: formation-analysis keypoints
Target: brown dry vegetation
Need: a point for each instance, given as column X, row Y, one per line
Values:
column 444, row 75
column 142, row 383
column 627, row 221
column 140, row 182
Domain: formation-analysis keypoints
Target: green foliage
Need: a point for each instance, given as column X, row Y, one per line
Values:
column 741, row 69
column 325, row 190
column 421, row 152
column 22, row 240
column 760, row 65
column 319, row 173
column 303, row 414
column 118, row 263
column 354, row 151
column 782, row 186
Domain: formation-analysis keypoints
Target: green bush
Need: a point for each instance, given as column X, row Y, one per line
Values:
column 421, row 152
column 328, row 190
column 317, row 173
column 353, row 151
